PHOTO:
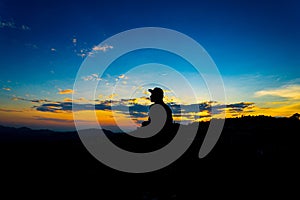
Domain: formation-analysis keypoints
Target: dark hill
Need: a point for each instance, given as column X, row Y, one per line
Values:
column 253, row 153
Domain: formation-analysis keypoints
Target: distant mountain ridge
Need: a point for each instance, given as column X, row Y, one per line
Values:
column 27, row 134
column 245, row 123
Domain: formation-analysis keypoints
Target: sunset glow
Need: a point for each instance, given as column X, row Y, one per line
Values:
column 255, row 46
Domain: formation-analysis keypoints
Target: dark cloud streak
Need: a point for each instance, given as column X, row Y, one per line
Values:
column 135, row 110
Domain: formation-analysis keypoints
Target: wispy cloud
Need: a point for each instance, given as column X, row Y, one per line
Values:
column 8, row 24
column 42, row 101
column 112, row 96
column 12, row 25
column 83, row 50
column 31, row 100
column 9, row 110
column 52, row 119
column 240, row 107
column 66, row 91
column 102, row 48
column 123, row 78
column 7, row 88
column 31, row 46
column 287, row 91
column 92, row 77
column 25, row 28
column 80, row 100
column 67, row 100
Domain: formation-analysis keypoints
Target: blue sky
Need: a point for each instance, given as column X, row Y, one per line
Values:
column 255, row 45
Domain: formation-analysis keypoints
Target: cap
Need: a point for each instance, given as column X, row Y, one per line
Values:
column 157, row 90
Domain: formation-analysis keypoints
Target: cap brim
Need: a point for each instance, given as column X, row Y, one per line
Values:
column 150, row 90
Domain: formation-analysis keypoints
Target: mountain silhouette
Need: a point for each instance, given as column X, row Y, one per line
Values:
column 251, row 148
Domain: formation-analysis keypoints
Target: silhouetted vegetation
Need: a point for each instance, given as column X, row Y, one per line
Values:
column 261, row 149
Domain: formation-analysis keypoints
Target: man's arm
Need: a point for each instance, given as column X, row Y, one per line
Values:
column 145, row 123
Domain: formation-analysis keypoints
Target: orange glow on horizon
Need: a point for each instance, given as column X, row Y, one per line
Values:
column 20, row 114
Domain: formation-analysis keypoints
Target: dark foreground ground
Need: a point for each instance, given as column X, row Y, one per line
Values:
column 254, row 157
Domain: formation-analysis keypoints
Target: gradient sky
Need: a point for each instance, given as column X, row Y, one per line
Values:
column 255, row 45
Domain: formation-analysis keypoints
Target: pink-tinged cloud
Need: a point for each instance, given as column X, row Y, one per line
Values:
column 66, row 91
column 103, row 48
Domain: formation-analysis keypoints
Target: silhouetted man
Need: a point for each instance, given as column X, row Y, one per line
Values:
column 154, row 133
column 160, row 113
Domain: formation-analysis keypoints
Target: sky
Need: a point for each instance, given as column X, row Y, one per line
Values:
column 254, row 44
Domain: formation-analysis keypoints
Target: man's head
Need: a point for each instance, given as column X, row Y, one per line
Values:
column 157, row 94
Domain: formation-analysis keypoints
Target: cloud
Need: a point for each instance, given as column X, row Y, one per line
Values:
column 141, row 100
column 31, row 100
column 31, row 46
column 193, row 107
column 145, row 92
column 52, row 119
column 16, row 98
column 67, row 100
column 7, row 88
column 121, row 76
column 9, row 110
column 8, row 24
column 83, row 52
column 240, row 107
column 103, row 48
column 25, row 28
column 287, row 91
column 82, row 55
column 66, row 91
column 137, row 108
column 12, row 25
column 209, row 108
column 138, row 111
column 55, row 107
column 58, row 107
column 39, row 100
column 74, row 41
column 100, row 96
column 92, row 77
